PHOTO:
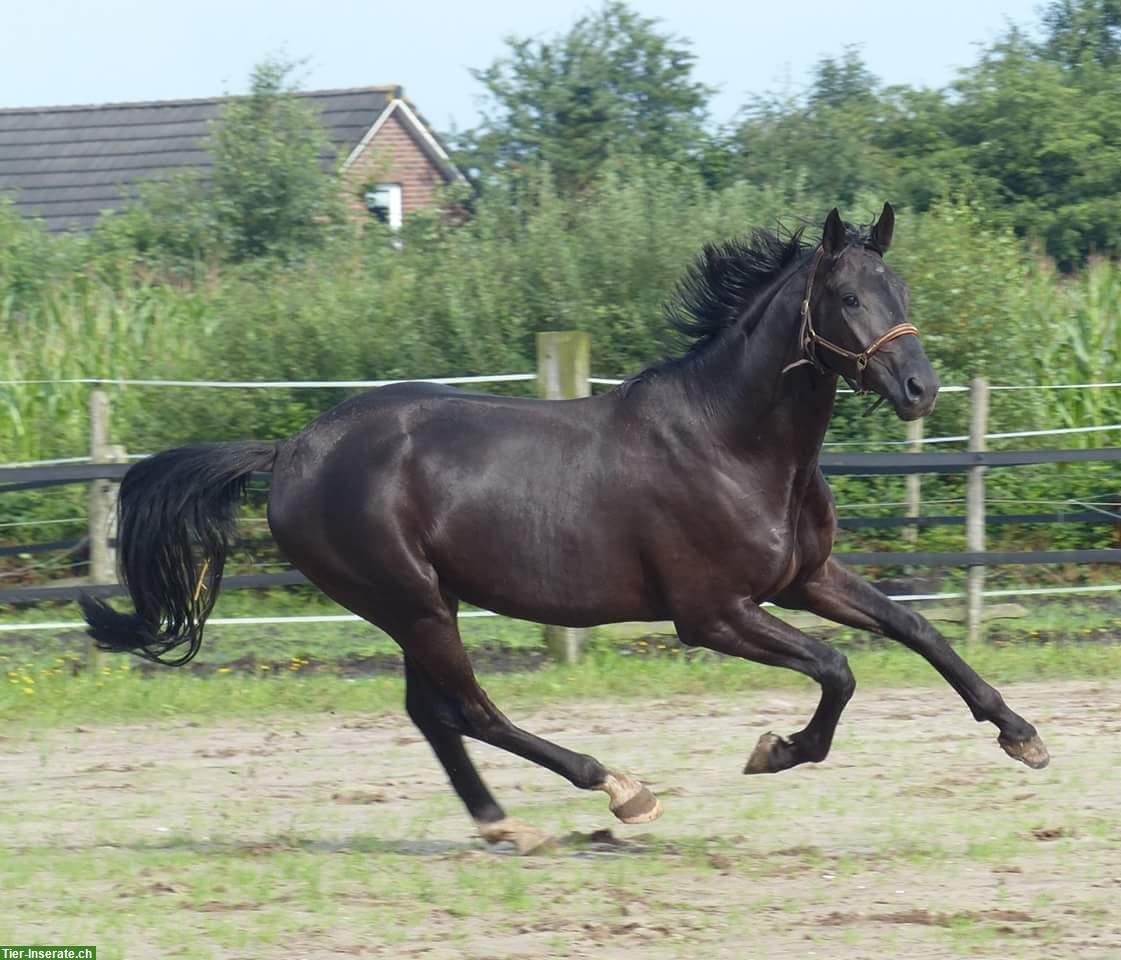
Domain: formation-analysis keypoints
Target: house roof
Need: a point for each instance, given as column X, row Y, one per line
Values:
column 68, row 164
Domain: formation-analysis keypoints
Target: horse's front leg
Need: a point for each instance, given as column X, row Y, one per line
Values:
column 742, row 629
column 840, row 595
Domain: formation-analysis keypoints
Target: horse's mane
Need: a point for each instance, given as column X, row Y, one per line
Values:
column 722, row 281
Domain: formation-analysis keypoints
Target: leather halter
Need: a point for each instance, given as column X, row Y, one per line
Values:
column 811, row 339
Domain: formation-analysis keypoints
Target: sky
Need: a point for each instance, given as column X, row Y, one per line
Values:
column 55, row 52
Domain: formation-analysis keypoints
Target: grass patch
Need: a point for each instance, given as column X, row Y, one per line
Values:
column 1065, row 620
column 52, row 694
column 225, row 643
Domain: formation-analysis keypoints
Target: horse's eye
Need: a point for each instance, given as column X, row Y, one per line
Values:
column 851, row 301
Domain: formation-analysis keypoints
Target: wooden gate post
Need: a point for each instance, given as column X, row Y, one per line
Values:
column 103, row 494
column 975, row 509
column 563, row 368
column 913, row 481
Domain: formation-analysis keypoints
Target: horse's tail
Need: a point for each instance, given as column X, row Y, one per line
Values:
column 176, row 514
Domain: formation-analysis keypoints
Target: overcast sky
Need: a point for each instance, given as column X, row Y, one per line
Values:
column 95, row 51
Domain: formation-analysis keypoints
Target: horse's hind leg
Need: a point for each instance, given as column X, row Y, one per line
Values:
column 456, row 702
column 399, row 592
column 422, row 704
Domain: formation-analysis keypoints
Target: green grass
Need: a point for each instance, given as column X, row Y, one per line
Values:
column 1068, row 618
column 763, row 861
column 51, row 695
column 51, row 680
column 320, row 641
column 1060, row 618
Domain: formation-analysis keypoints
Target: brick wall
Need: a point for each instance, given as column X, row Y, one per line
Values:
column 392, row 156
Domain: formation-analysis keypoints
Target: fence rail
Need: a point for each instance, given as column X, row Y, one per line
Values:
column 845, row 523
column 563, row 362
column 852, row 464
column 24, row 478
column 886, row 558
column 56, row 625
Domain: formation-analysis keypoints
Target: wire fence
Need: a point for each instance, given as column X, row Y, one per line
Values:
column 964, row 437
column 68, row 470
column 607, row 381
column 80, row 625
column 274, row 384
column 958, row 438
column 452, row 381
column 851, row 464
column 527, row 377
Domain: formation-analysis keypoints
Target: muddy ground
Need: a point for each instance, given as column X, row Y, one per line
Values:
column 337, row 836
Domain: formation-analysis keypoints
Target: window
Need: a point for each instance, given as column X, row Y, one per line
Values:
column 384, row 202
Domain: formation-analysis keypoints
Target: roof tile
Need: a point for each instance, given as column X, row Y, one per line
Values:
column 67, row 164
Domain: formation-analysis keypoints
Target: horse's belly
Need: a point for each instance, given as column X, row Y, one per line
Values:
column 565, row 581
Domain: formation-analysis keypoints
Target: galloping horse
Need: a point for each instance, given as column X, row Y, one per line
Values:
column 692, row 492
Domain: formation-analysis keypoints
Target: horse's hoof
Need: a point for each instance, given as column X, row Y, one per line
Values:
column 767, row 755
column 631, row 801
column 641, row 808
column 527, row 839
column 1032, row 752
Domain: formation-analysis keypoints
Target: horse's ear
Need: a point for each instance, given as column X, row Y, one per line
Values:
column 833, row 236
column 884, row 228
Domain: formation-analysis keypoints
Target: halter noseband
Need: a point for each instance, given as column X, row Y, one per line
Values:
column 811, row 339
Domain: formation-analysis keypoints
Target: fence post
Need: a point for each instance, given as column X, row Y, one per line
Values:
column 563, row 368
column 975, row 508
column 103, row 494
column 913, row 481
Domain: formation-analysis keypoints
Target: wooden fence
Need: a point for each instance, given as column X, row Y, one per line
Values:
column 563, row 373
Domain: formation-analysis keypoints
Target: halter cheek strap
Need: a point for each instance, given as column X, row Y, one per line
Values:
column 811, row 340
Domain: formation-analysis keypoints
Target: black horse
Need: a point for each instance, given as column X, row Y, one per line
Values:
column 692, row 492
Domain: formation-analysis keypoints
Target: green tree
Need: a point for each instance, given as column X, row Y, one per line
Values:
column 30, row 258
column 272, row 189
column 1044, row 146
column 613, row 86
column 927, row 164
column 170, row 224
column 1031, row 132
column 823, row 142
column 1080, row 32
column 843, row 82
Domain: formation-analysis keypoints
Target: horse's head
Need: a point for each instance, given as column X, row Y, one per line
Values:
column 859, row 326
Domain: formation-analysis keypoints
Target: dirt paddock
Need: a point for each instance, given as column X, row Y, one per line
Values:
column 337, row 836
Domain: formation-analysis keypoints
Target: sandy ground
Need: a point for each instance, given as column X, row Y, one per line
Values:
column 917, row 837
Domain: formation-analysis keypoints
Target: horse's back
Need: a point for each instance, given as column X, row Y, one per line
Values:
column 436, row 422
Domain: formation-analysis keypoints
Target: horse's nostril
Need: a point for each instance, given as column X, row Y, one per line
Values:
column 915, row 389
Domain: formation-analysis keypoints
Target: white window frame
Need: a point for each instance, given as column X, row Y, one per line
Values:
column 394, row 196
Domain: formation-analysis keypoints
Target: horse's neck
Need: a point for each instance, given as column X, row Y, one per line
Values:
column 754, row 405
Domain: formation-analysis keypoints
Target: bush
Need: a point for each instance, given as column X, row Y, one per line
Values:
column 444, row 299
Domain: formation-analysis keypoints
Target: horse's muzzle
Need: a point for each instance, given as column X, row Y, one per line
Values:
column 915, row 394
